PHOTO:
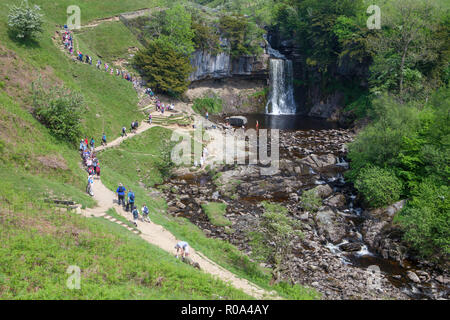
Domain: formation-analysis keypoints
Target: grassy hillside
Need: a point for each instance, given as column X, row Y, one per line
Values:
column 110, row 41
column 37, row 247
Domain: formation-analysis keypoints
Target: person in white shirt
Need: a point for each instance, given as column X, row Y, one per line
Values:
column 182, row 246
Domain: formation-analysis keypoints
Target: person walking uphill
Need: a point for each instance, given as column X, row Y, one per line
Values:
column 121, row 194
column 130, row 200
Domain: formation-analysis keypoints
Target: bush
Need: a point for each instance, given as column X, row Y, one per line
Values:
column 25, row 21
column 311, row 201
column 166, row 68
column 426, row 220
column 379, row 187
column 59, row 110
column 211, row 104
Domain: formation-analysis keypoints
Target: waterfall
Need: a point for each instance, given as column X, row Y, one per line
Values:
column 281, row 95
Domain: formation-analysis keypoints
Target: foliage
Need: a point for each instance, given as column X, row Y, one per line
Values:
column 413, row 142
column 213, row 104
column 271, row 239
column 379, row 187
column 59, row 110
column 25, row 21
column 177, row 29
column 166, row 68
column 426, row 220
column 242, row 35
column 404, row 46
column 311, row 201
column 215, row 212
column 206, row 37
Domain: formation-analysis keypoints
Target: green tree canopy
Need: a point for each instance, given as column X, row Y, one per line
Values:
column 166, row 68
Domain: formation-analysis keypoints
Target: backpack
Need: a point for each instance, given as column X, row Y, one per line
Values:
column 131, row 195
column 121, row 189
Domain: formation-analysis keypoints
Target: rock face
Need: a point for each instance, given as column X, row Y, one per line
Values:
column 381, row 235
column 222, row 65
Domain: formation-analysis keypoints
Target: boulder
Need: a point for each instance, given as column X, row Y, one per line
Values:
column 413, row 277
column 337, row 200
column 350, row 246
column 317, row 162
column 323, row 191
column 330, row 225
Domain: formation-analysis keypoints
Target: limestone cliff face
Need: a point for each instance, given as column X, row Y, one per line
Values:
column 222, row 65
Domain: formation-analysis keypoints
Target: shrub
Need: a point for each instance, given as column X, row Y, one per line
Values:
column 379, row 187
column 311, row 201
column 25, row 21
column 272, row 237
column 211, row 104
column 426, row 220
column 59, row 110
column 166, row 68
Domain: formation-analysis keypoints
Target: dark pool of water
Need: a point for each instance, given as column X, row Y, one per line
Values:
column 288, row 122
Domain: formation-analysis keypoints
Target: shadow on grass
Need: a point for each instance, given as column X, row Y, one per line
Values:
column 23, row 42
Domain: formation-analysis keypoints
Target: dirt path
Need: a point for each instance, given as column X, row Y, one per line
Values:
column 157, row 235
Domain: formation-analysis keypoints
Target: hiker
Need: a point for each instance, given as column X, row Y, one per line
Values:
column 97, row 170
column 135, row 213
column 81, row 145
column 92, row 143
column 124, row 131
column 87, row 59
column 99, row 63
column 145, row 212
column 104, row 139
column 150, row 118
column 121, row 194
column 130, row 202
column 184, row 247
column 206, row 115
column 90, row 183
column 257, row 125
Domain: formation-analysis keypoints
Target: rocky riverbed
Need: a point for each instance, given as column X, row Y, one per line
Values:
column 347, row 252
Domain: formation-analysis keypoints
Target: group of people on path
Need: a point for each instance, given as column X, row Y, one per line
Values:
column 90, row 161
column 67, row 40
column 129, row 205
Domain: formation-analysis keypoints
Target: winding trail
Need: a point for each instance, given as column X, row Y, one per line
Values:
column 157, row 235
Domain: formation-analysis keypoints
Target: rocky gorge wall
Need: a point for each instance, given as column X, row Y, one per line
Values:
column 222, row 65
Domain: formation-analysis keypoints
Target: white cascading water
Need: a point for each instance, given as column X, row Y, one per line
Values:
column 281, row 95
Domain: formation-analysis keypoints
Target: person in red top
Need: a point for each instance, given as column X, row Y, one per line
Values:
column 86, row 141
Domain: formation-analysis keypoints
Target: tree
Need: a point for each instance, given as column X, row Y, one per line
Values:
column 177, row 29
column 166, row 68
column 405, row 40
column 271, row 241
column 25, row 21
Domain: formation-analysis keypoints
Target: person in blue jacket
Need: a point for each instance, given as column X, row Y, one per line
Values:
column 121, row 193
column 131, row 200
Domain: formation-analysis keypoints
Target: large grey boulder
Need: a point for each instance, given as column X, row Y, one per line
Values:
column 330, row 225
